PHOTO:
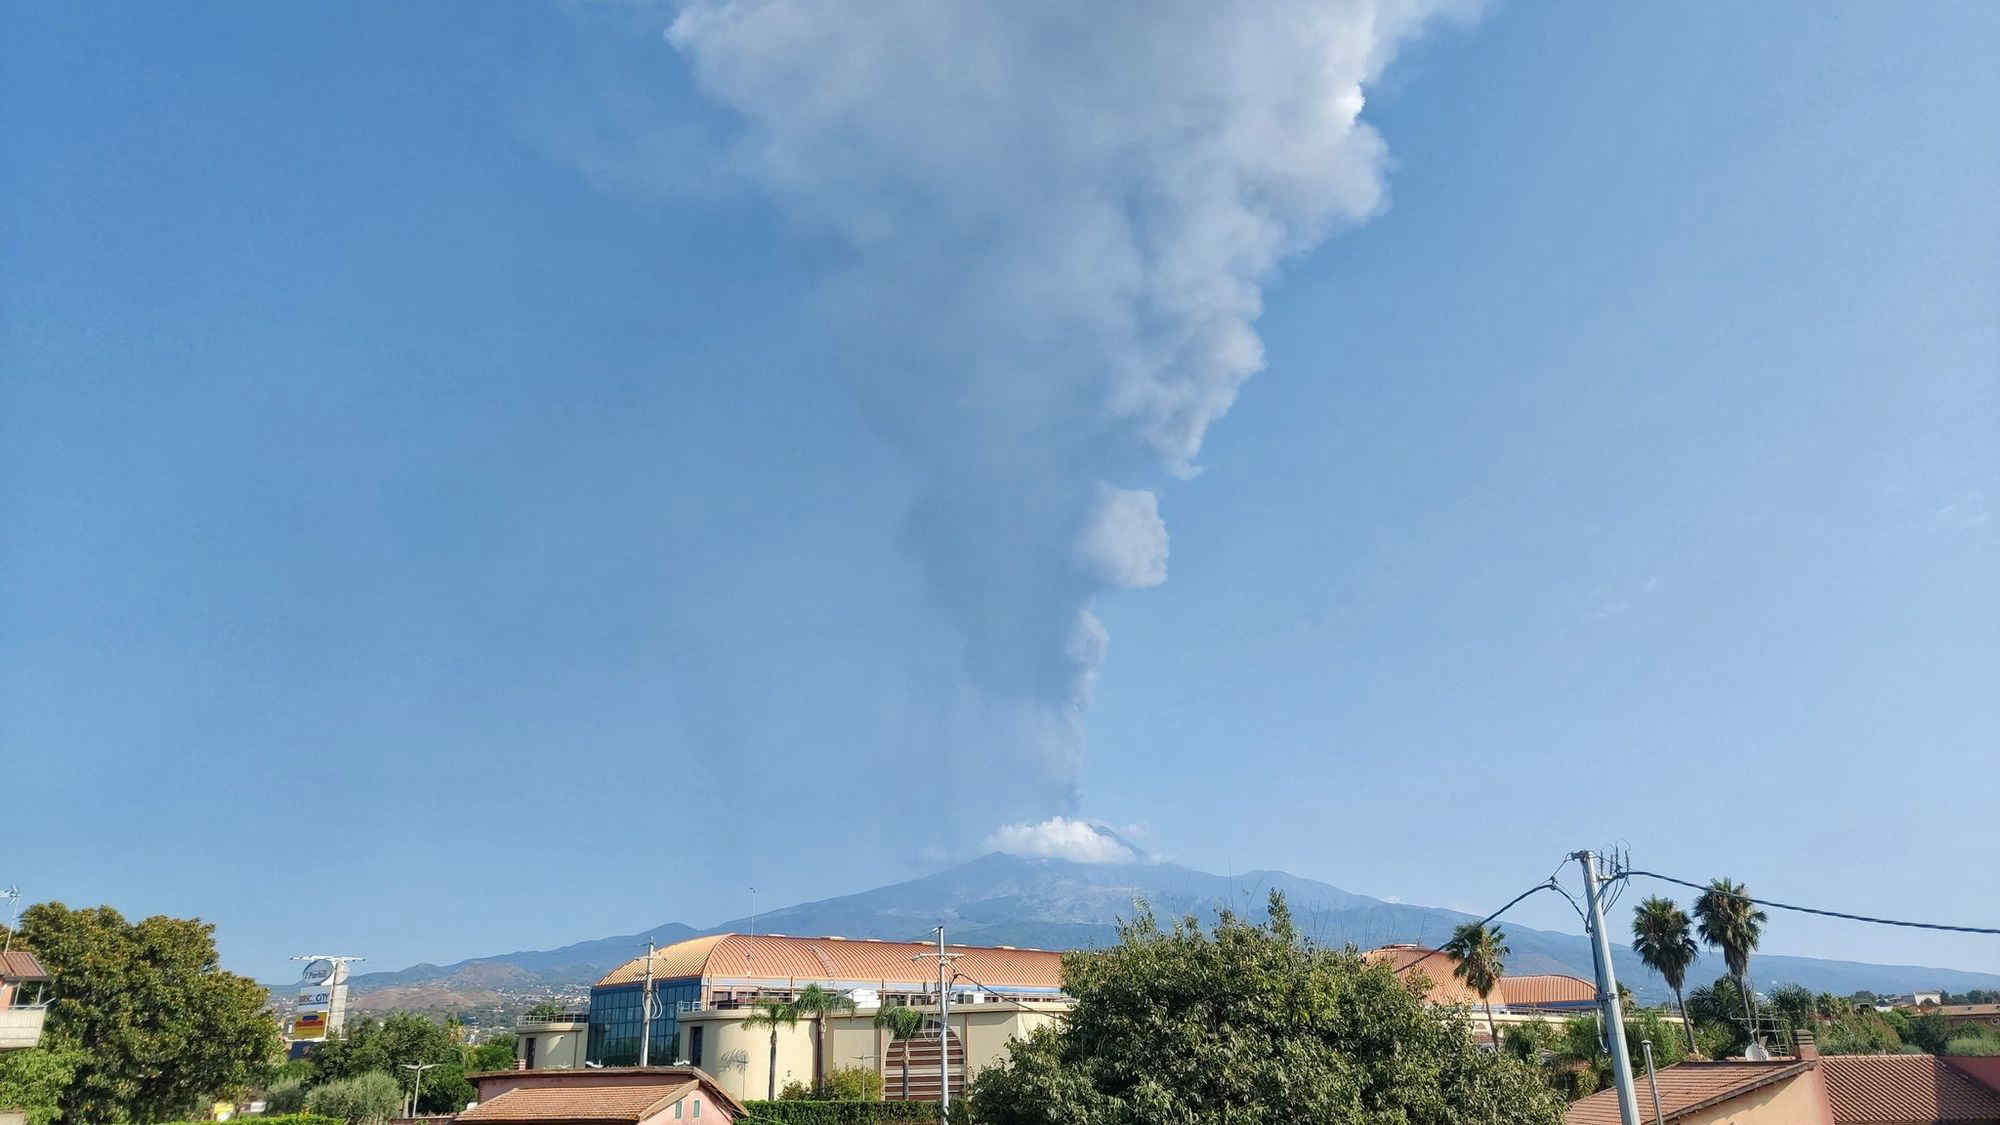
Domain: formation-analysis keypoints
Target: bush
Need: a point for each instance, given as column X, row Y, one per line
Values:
column 365, row 1099
column 1972, row 1045
column 797, row 1112
column 853, row 1084
column 286, row 1095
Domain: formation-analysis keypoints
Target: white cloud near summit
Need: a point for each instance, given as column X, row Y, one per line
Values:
column 1061, row 837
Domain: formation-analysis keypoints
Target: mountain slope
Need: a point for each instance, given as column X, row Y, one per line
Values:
column 1057, row 904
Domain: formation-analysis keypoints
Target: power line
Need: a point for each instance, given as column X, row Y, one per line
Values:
column 1548, row 886
column 1815, row 910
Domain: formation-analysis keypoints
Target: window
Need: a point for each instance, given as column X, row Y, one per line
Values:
column 530, row 1040
column 697, row 1107
column 694, row 1046
column 677, row 1111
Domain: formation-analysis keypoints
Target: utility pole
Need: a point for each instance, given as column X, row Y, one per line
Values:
column 1653, row 1077
column 944, row 961
column 1607, row 994
column 646, row 1010
column 418, row 1091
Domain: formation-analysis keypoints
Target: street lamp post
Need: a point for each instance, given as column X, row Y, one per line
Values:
column 417, row 1090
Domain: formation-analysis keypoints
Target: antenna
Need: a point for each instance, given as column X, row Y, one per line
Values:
column 13, row 895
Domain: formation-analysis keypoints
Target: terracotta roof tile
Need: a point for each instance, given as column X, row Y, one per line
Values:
column 19, row 964
column 1901, row 1088
column 767, row 957
column 579, row 1103
column 1437, row 967
column 1688, row 1087
column 1543, row 989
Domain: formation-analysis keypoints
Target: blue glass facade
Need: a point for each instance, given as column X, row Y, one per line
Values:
column 615, row 1018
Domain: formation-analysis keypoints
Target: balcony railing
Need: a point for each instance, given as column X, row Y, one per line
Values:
column 21, row 1027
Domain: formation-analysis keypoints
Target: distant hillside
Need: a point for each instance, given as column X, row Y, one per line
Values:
column 1056, row 904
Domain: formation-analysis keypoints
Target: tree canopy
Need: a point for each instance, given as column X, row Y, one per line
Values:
column 1250, row 1024
column 156, row 1024
column 402, row 1039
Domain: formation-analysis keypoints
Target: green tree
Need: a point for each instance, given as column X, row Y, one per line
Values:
column 1482, row 960
column 772, row 1013
column 388, row 1046
column 365, row 1099
column 160, row 1024
column 1250, row 1024
column 902, row 1024
column 1732, row 923
column 494, row 1054
column 547, row 1010
column 1796, row 1006
column 1715, row 1008
column 33, row 1080
column 1661, row 939
column 820, row 1003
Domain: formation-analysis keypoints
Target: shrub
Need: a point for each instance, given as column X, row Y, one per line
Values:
column 365, row 1099
column 799, row 1112
column 286, row 1095
column 1972, row 1045
column 853, row 1084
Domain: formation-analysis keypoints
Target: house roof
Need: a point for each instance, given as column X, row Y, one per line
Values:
column 581, row 1103
column 1441, row 969
column 854, row 962
column 1901, row 1088
column 1686, row 1088
column 1960, row 1011
column 598, row 1078
column 19, row 964
column 1536, row 990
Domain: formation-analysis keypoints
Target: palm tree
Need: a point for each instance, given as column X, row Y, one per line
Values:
column 1660, row 937
column 1482, row 957
column 772, row 1013
column 820, row 1003
column 903, row 1025
column 1732, row 923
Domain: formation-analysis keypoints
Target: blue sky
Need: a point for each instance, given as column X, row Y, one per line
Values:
column 451, row 502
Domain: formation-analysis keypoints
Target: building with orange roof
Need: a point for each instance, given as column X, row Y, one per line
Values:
column 1523, row 998
column 704, row 989
column 653, row 1095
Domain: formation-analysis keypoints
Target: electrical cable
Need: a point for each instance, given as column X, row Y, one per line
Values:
column 1548, row 886
column 1815, row 910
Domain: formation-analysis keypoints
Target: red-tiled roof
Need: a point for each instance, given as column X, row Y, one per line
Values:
column 1543, row 989
column 1688, row 1087
column 1983, row 1069
column 19, row 964
column 1904, row 1088
column 776, row 957
column 580, row 1103
column 1438, row 967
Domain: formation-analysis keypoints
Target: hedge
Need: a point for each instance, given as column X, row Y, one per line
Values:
column 801, row 1112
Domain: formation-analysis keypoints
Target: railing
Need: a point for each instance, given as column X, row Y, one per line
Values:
column 564, row 1017
column 21, row 1027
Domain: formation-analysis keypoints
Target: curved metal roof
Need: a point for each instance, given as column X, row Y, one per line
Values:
column 851, row 962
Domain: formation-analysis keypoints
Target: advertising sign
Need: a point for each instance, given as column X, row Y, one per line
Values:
column 309, row 1025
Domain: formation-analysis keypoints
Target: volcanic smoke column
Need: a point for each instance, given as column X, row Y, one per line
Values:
column 1060, row 216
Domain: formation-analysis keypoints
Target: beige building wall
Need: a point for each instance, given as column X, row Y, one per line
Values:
column 558, row 1044
column 738, row 1057
column 1801, row 1101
